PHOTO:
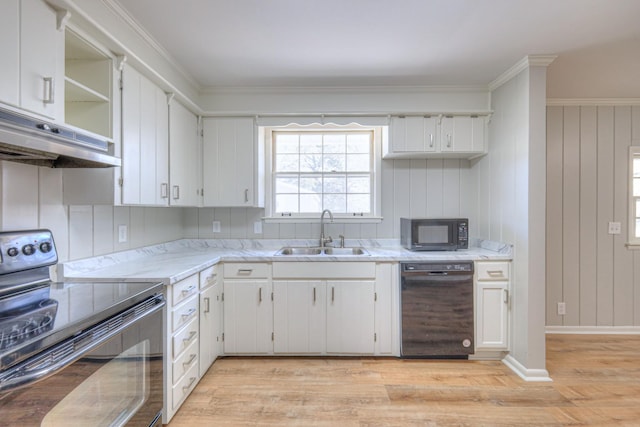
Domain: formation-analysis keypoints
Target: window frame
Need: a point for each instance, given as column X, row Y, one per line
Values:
column 633, row 242
column 267, row 135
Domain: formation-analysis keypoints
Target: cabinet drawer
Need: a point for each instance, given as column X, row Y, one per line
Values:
column 246, row 270
column 183, row 339
column 492, row 270
column 185, row 362
column 184, row 387
column 184, row 289
column 182, row 314
column 208, row 277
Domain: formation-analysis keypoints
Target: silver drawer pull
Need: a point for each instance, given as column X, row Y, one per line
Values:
column 189, row 290
column 190, row 337
column 494, row 273
column 190, row 361
column 211, row 278
column 189, row 313
column 188, row 386
column 245, row 271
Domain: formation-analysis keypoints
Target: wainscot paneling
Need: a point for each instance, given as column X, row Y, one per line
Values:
column 590, row 270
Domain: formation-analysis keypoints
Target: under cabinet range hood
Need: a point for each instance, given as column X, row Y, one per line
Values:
column 28, row 140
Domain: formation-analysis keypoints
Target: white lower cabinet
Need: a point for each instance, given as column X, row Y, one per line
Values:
column 210, row 318
column 350, row 316
column 492, row 305
column 299, row 315
column 248, row 309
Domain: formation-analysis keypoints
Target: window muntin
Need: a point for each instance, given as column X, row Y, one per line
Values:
column 634, row 196
column 313, row 170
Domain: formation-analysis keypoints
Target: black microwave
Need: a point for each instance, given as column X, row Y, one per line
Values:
column 434, row 234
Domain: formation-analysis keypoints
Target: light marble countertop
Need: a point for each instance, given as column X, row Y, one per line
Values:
column 173, row 261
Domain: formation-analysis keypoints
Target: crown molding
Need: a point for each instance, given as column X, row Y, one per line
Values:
column 130, row 21
column 217, row 90
column 577, row 102
column 518, row 67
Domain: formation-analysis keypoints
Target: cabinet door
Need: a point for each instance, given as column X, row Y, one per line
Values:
column 248, row 317
column 462, row 134
column 350, row 316
column 493, row 315
column 209, row 326
column 41, row 60
column 413, row 134
column 298, row 316
column 184, row 156
column 10, row 52
column 229, row 162
column 131, row 142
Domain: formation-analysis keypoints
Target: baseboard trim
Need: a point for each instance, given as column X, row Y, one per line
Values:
column 595, row 330
column 538, row 375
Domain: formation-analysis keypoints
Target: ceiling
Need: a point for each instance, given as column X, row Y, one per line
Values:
column 317, row 43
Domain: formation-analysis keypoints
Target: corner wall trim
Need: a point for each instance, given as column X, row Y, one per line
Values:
column 594, row 330
column 532, row 375
column 518, row 67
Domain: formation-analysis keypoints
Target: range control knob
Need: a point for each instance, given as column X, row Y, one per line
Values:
column 13, row 251
column 28, row 249
column 45, row 247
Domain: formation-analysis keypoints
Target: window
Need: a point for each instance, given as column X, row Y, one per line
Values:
column 319, row 167
column 634, row 196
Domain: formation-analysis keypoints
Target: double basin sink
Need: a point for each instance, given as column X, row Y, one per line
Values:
column 317, row 251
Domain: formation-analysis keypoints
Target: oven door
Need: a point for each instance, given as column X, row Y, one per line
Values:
column 117, row 379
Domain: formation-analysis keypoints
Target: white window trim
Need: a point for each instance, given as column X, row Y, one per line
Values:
column 380, row 133
column 632, row 241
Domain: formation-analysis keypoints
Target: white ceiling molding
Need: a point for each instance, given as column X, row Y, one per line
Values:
column 268, row 90
column 523, row 64
column 603, row 102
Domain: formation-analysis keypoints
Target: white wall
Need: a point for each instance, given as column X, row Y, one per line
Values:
column 415, row 188
column 589, row 269
column 32, row 198
column 511, row 205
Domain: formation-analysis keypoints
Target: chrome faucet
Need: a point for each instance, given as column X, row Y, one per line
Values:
column 323, row 240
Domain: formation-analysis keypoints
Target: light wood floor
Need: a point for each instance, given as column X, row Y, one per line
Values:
column 596, row 382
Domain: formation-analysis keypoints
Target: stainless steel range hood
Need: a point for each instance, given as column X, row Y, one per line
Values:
column 27, row 140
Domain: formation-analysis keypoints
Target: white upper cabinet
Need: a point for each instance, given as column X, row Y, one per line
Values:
column 231, row 168
column 145, row 141
column 184, row 155
column 462, row 134
column 32, row 49
column 441, row 136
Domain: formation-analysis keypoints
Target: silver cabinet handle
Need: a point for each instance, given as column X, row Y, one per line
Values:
column 190, row 361
column 211, row 278
column 190, row 337
column 246, row 195
column 49, row 90
column 314, row 295
column 207, row 304
column 245, row 270
column 431, row 140
column 495, row 273
column 189, row 313
column 188, row 386
column 449, row 140
column 259, row 295
column 164, row 190
column 506, row 296
column 176, row 192
column 333, row 293
column 188, row 290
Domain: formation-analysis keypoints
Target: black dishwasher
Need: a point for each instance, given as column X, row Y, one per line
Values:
column 437, row 309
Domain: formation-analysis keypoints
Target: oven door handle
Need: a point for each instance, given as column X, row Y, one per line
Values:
column 43, row 367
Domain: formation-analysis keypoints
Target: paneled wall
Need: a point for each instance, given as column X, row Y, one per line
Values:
column 32, row 198
column 415, row 188
column 589, row 269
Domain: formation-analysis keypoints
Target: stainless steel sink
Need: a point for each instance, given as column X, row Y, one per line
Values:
column 346, row 251
column 316, row 251
column 299, row 251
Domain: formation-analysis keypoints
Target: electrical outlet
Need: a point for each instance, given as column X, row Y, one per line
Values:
column 122, row 233
column 216, row 226
column 562, row 309
column 257, row 227
column 615, row 228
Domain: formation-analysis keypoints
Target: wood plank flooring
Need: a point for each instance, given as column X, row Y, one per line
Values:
column 596, row 382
